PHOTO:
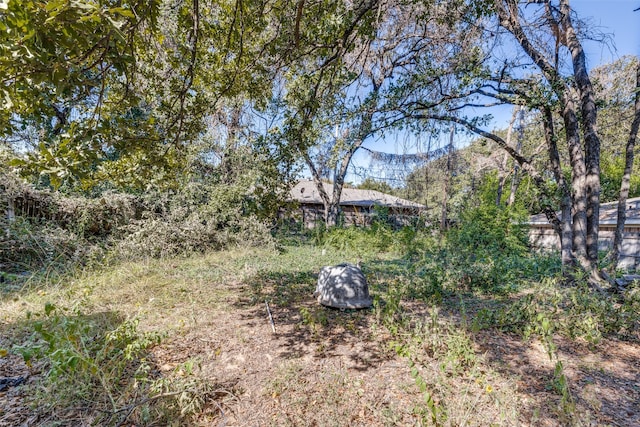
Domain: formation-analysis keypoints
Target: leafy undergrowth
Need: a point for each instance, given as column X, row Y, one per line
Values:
column 450, row 341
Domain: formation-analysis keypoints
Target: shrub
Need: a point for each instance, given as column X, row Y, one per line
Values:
column 486, row 250
column 496, row 230
column 29, row 246
column 98, row 361
column 48, row 229
column 93, row 218
column 62, row 229
column 197, row 219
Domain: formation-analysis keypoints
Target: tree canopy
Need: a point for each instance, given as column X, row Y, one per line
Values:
column 100, row 94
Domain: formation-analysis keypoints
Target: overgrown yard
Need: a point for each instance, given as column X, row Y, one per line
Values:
column 187, row 341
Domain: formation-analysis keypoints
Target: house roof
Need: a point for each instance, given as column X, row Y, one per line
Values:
column 608, row 214
column 307, row 192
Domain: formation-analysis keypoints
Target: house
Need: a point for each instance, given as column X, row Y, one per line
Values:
column 358, row 206
column 542, row 235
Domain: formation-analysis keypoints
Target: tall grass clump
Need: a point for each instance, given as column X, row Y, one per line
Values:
column 380, row 237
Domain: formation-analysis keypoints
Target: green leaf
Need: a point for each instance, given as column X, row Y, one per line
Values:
column 122, row 11
column 73, row 361
column 17, row 162
column 48, row 308
column 56, row 4
column 27, row 355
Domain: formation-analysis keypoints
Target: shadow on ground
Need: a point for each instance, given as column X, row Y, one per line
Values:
column 305, row 328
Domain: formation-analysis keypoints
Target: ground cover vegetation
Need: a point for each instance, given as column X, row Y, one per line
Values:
column 466, row 328
column 146, row 152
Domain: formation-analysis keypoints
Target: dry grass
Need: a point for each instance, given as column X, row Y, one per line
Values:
column 322, row 367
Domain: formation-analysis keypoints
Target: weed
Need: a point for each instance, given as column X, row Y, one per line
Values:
column 561, row 386
column 378, row 238
column 575, row 312
column 182, row 396
column 440, row 354
column 314, row 318
column 96, row 359
column 428, row 303
column 434, row 411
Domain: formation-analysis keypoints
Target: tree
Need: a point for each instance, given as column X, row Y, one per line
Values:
column 57, row 50
column 123, row 89
column 317, row 84
column 357, row 81
column 626, row 178
column 444, row 223
column 615, row 84
column 546, row 34
column 371, row 184
column 56, row 61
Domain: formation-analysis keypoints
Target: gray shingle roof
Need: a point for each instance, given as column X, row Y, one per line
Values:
column 307, row 192
column 608, row 214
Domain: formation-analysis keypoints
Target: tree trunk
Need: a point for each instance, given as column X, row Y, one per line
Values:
column 502, row 178
column 585, row 179
column 317, row 179
column 589, row 119
column 11, row 211
column 564, row 230
column 331, row 213
column 626, row 179
column 444, row 224
column 502, row 175
column 332, row 204
column 426, row 184
column 578, row 185
column 515, row 179
column 232, row 121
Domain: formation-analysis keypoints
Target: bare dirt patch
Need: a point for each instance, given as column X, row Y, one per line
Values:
column 603, row 379
column 337, row 373
column 14, row 374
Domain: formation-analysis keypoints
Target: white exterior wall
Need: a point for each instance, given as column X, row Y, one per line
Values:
column 545, row 238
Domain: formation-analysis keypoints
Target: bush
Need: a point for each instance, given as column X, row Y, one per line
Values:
column 496, row 230
column 197, row 219
column 29, row 246
column 575, row 312
column 379, row 237
column 92, row 218
column 487, row 251
column 48, row 229
column 96, row 361
column 59, row 229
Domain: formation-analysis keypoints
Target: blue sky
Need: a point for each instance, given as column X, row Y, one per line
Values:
column 616, row 18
